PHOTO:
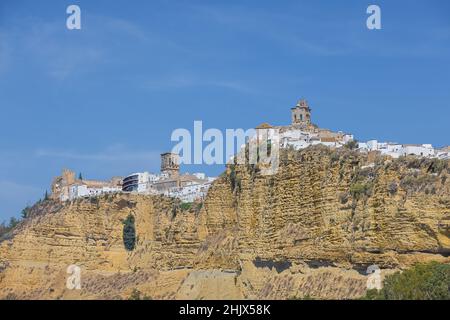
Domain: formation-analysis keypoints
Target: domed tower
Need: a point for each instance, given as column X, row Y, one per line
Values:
column 301, row 113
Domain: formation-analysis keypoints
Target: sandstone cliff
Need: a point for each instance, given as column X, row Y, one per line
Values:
column 311, row 229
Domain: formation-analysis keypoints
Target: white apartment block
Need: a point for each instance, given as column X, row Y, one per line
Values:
column 138, row 182
column 187, row 188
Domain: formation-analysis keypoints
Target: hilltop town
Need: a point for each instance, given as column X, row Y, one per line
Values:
column 300, row 134
column 312, row 228
column 169, row 182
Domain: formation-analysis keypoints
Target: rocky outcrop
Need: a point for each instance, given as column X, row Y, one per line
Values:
column 311, row 229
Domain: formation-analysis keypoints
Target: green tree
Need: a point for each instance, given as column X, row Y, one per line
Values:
column 80, row 177
column 352, row 145
column 13, row 222
column 359, row 189
column 5, row 228
column 25, row 212
column 430, row 281
column 129, row 233
column 186, row 206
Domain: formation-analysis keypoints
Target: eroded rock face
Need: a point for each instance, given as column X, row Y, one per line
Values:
column 312, row 229
column 328, row 207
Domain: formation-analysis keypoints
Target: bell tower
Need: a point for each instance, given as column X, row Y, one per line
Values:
column 170, row 164
column 301, row 113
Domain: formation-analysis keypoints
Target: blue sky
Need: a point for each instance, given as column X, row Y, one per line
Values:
column 104, row 100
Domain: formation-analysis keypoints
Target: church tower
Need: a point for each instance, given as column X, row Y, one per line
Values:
column 170, row 164
column 301, row 113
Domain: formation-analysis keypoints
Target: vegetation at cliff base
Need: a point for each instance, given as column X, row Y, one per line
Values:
column 137, row 295
column 430, row 281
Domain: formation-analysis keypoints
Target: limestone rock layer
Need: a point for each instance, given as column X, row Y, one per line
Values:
column 309, row 230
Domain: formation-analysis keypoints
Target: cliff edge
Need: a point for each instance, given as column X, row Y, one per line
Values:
column 311, row 229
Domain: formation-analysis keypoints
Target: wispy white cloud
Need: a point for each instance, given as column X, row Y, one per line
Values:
column 42, row 43
column 61, row 53
column 335, row 36
column 60, row 57
column 13, row 189
column 135, row 31
column 285, row 30
column 116, row 153
column 123, row 26
column 178, row 81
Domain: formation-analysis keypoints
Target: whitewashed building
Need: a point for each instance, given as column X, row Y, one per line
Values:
column 299, row 139
column 396, row 150
column 386, row 148
column 443, row 153
column 81, row 191
column 424, row 150
column 189, row 193
column 444, row 156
